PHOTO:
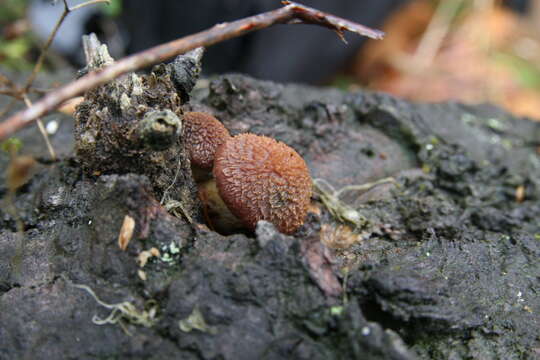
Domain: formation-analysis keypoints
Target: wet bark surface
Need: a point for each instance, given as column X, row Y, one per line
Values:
column 443, row 262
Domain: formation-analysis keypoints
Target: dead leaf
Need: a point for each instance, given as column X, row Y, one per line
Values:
column 489, row 54
column 19, row 171
column 338, row 236
column 319, row 260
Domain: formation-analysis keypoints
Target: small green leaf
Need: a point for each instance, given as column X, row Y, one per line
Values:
column 114, row 8
column 336, row 310
column 11, row 145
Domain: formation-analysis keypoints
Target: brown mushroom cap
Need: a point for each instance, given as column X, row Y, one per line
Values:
column 260, row 178
column 203, row 133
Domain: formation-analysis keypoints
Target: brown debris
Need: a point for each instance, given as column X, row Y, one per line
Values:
column 319, row 261
column 145, row 255
column 520, row 193
column 19, row 171
column 69, row 106
column 338, row 237
column 480, row 54
column 126, row 232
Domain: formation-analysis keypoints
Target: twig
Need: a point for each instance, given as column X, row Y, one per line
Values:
column 90, row 2
column 42, row 130
column 51, row 37
column 43, row 53
column 13, row 93
column 11, row 90
column 364, row 187
column 7, row 81
column 290, row 13
column 22, row 93
column 330, row 197
column 39, row 91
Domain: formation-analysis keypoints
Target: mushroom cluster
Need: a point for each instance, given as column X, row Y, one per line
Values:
column 254, row 177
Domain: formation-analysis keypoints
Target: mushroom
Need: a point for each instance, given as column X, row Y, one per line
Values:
column 203, row 133
column 258, row 178
column 217, row 214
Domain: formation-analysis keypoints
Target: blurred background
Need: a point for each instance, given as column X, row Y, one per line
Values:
column 472, row 51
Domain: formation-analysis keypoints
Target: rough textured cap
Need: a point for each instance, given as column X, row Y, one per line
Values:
column 203, row 133
column 259, row 178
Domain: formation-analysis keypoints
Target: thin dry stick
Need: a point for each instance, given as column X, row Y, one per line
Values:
column 11, row 93
column 7, row 81
column 291, row 13
column 90, row 2
column 22, row 93
column 42, row 130
column 51, row 37
column 14, row 92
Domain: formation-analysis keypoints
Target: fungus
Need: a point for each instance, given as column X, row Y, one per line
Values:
column 259, row 178
column 216, row 212
column 203, row 134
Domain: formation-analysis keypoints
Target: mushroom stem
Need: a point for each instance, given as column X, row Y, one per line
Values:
column 200, row 174
column 216, row 213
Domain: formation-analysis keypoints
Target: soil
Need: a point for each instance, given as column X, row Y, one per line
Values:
column 440, row 263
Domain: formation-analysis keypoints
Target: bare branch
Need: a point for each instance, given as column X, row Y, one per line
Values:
column 7, row 81
column 291, row 13
column 309, row 15
column 13, row 93
column 22, row 93
column 51, row 37
column 43, row 52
